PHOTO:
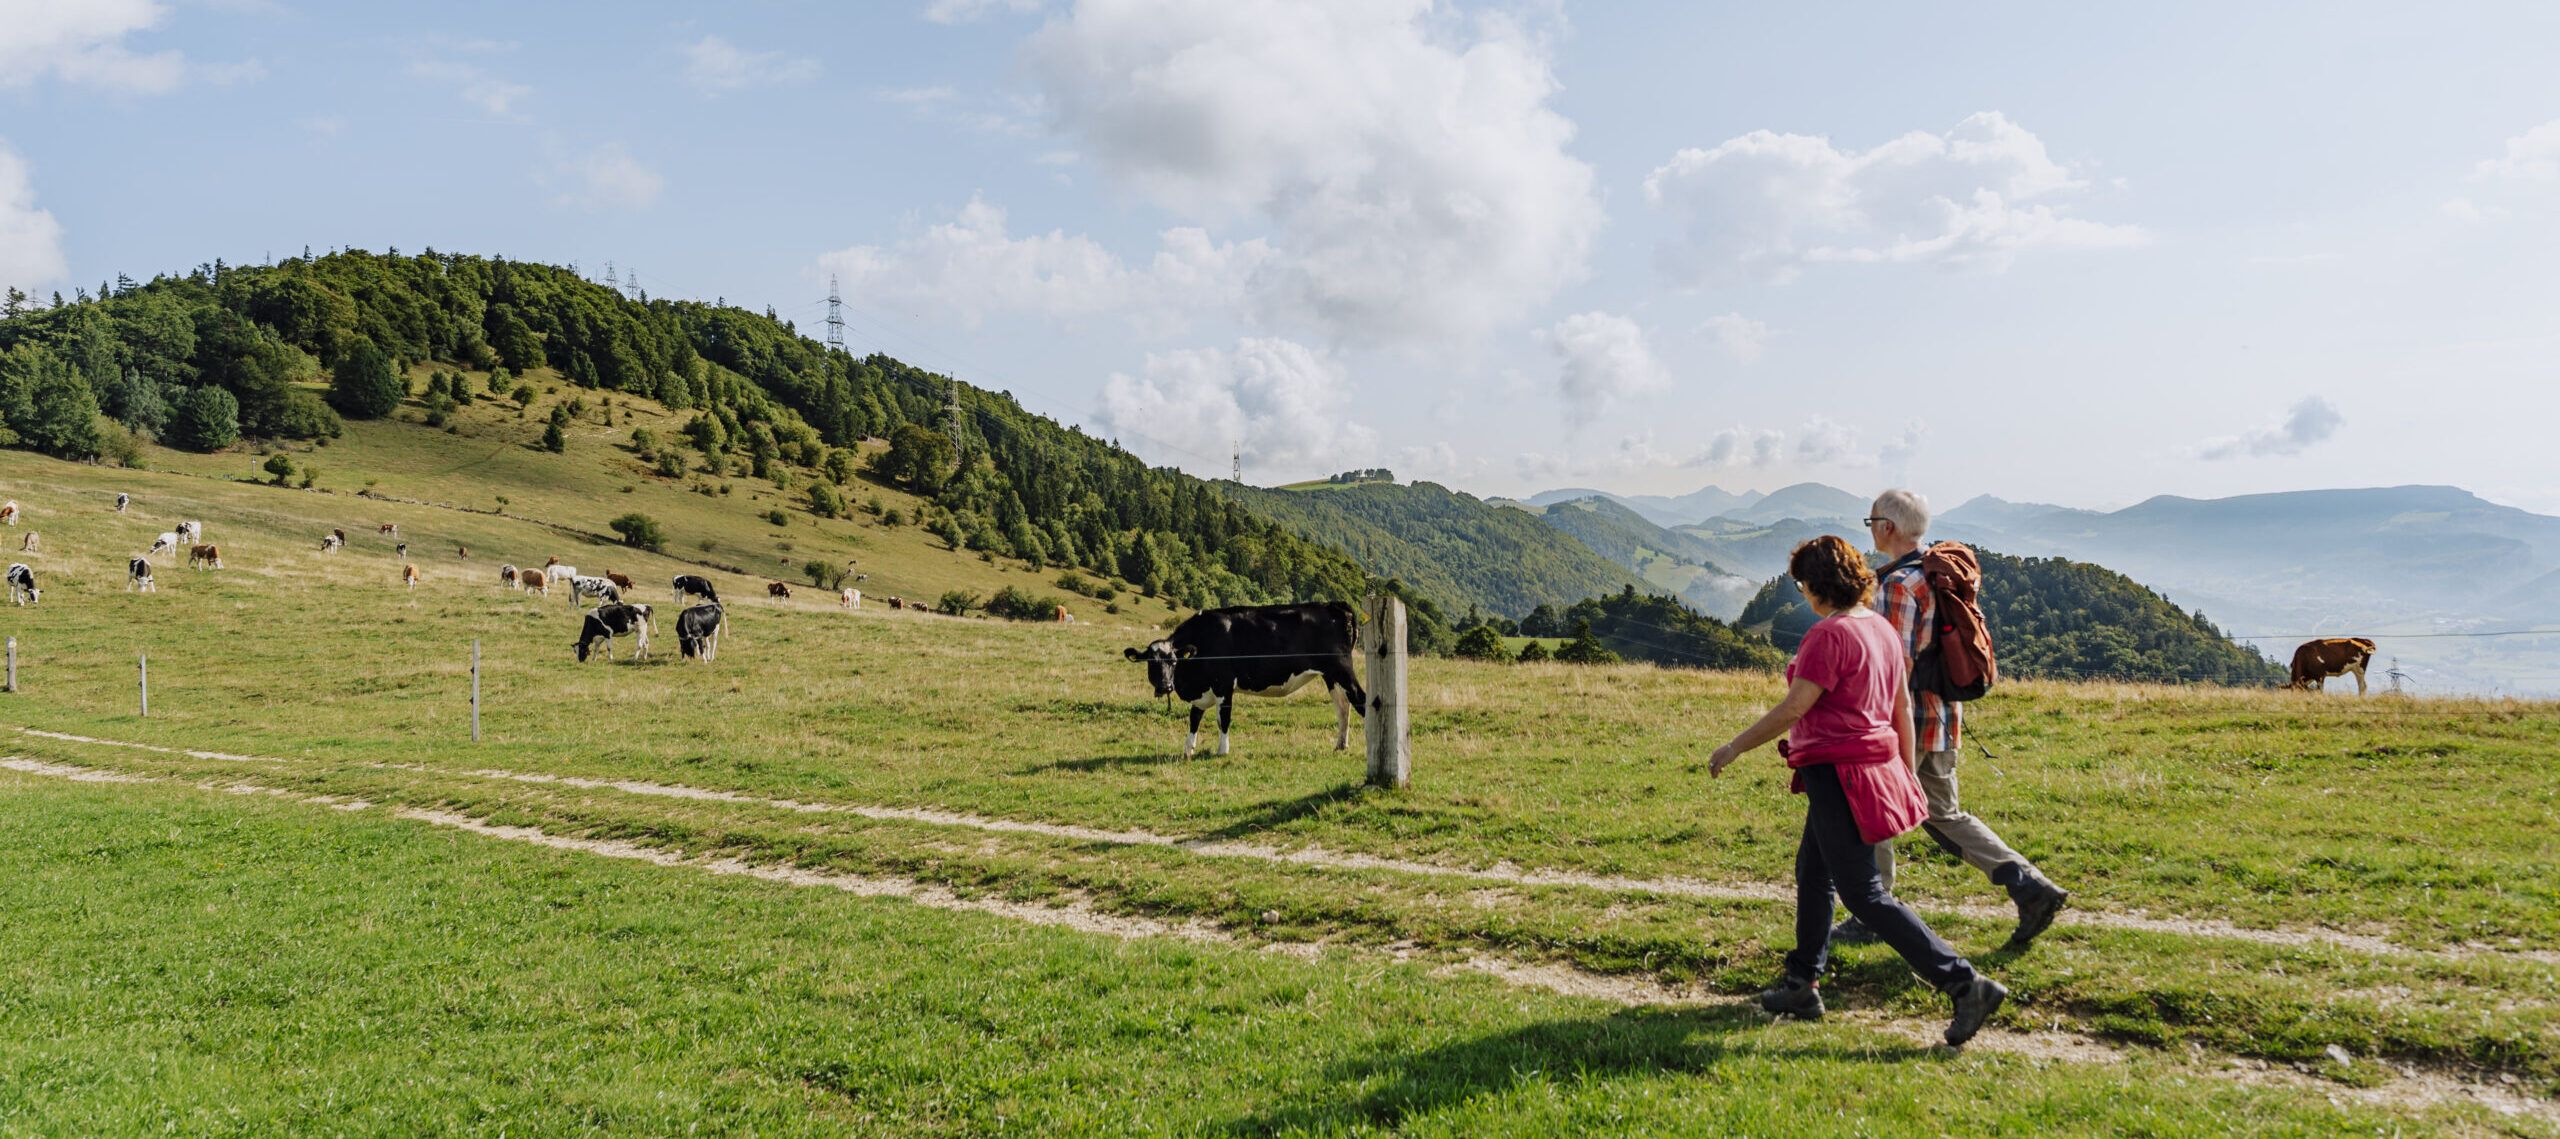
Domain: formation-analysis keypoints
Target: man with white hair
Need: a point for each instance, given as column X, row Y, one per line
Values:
column 1897, row 521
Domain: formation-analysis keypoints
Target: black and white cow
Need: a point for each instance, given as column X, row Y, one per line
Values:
column 698, row 631
column 22, row 585
column 602, row 589
column 1259, row 650
column 122, row 501
column 137, row 576
column 688, row 585
column 190, row 532
column 610, row 621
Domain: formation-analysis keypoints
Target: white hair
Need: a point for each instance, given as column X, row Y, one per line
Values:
column 1908, row 512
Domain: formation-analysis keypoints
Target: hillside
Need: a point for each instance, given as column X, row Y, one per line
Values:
column 1449, row 546
column 2055, row 618
column 307, row 350
column 1661, row 510
column 1760, row 549
column 1666, row 559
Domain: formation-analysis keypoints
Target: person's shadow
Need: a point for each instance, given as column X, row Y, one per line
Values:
column 1384, row 1091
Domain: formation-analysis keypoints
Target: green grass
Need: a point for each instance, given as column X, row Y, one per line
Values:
column 2430, row 823
column 189, row 962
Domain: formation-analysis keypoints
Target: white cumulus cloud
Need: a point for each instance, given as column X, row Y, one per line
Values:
column 83, row 42
column 714, row 66
column 1740, row 447
column 1603, row 358
column 605, row 178
column 2533, row 156
column 1407, row 168
column 964, row 11
column 2311, row 421
column 1287, row 405
column 1766, row 205
column 474, row 84
column 972, row 267
column 30, row 240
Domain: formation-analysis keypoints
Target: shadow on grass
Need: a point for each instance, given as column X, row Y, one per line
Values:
column 1103, row 762
column 1282, row 812
column 1386, row 1091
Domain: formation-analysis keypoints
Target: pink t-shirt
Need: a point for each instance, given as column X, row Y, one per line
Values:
column 1857, row 659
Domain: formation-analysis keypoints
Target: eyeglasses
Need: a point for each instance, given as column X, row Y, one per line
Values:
column 1871, row 520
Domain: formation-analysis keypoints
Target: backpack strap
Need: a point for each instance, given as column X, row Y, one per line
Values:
column 1906, row 560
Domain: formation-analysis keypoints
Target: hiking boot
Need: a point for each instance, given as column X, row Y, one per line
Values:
column 1974, row 1004
column 1851, row 931
column 1799, row 999
column 2038, row 901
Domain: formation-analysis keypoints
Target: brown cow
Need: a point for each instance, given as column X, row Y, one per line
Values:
column 776, row 589
column 204, row 557
column 409, row 576
column 462, row 552
column 620, row 581
column 2316, row 661
column 30, row 544
column 391, row 528
column 535, row 580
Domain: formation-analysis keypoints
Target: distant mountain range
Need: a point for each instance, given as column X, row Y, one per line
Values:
column 1673, row 560
column 1699, row 505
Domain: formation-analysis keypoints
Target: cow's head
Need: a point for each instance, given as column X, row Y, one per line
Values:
column 1159, row 657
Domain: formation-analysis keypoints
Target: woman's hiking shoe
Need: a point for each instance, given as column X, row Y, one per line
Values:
column 1974, row 1004
column 1851, row 931
column 2038, row 901
column 1799, row 999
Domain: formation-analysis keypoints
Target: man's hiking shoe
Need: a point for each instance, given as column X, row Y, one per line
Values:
column 2038, row 901
column 1974, row 1004
column 1851, row 931
column 1795, row 998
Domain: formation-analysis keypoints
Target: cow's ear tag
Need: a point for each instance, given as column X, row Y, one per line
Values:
column 1132, row 654
column 1187, row 651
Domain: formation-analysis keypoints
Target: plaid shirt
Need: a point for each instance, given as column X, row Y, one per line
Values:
column 1904, row 598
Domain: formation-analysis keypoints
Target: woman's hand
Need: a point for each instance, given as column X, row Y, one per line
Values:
column 1723, row 758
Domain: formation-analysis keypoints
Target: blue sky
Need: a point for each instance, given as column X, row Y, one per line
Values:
column 2031, row 250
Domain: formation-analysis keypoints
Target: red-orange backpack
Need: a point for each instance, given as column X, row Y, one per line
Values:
column 1958, row 664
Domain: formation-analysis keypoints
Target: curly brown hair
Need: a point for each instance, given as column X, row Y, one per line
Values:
column 1831, row 569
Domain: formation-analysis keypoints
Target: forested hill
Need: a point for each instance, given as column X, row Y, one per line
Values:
column 1447, row 545
column 2066, row 620
column 201, row 359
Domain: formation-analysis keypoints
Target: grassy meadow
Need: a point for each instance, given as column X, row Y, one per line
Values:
column 2259, row 878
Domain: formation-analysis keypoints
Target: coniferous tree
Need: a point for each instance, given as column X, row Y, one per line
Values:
column 205, row 419
column 364, row 385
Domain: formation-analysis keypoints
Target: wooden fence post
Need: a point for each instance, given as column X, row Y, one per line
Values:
column 475, row 690
column 1382, row 639
column 13, row 664
column 146, row 682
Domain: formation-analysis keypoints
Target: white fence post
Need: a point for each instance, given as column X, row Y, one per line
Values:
column 1390, row 746
column 145, row 658
column 475, row 690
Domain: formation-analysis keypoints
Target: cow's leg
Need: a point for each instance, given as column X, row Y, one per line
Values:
column 2359, row 671
column 1192, row 744
column 1226, row 715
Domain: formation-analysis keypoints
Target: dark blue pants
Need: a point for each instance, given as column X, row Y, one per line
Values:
column 1832, row 858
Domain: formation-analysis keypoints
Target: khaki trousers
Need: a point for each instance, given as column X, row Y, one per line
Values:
column 1960, row 834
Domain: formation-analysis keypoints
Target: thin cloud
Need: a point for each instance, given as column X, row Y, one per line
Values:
column 1602, row 359
column 473, row 84
column 605, row 178
column 86, row 44
column 2311, row 422
column 714, row 66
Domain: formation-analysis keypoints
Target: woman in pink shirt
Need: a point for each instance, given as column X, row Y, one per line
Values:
column 1847, row 719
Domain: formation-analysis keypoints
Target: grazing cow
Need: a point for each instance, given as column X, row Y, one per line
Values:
column 897, row 603
column 22, row 585
column 137, row 576
column 30, row 542
column 462, row 552
column 168, row 540
column 330, row 543
column 848, row 598
column 777, row 589
column 340, row 533
column 122, row 501
column 1259, row 650
column 9, row 512
column 190, row 532
column 698, row 631
column 557, row 571
column 409, row 575
column 687, row 585
column 391, row 528
column 595, row 587
column 507, row 577
column 534, row 580
column 612, row 621
column 2316, row 661
column 204, row 557
column 401, row 551
column 619, row 581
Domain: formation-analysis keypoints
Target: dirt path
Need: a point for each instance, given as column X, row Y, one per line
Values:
column 1341, row 860
column 2405, row 1089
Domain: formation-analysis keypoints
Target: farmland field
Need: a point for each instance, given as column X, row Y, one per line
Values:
column 1548, row 932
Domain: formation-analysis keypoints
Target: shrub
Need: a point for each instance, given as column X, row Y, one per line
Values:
column 310, row 475
column 1074, row 582
column 892, row 518
column 957, row 603
column 364, row 384
column 553, row 440
column 119, row 445
column 524, row 395
column 279, row 466
column 1020, row 605
column 1533, row 652
column 826, row 501
column 641, row 531
column 670, row 465
column 1481, row 643
column 642, row 439
column 1585, row 648
column 775, row 515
